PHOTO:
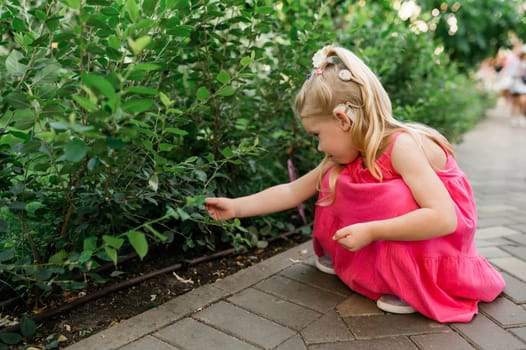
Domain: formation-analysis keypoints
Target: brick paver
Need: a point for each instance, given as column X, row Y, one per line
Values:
column 284, row 303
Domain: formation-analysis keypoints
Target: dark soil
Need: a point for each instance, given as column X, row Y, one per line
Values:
column 106, row 311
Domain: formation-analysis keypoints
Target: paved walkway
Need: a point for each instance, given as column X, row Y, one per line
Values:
column 285, row 303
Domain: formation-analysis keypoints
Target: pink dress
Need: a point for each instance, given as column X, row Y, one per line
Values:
column 443, row 278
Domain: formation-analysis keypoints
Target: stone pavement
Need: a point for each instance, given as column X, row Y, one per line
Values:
column 285, row 303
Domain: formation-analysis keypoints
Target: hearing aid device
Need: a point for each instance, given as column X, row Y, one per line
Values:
column 345, row 109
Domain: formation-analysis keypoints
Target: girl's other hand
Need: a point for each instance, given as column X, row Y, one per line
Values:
column 220, row 208
column 354, row 237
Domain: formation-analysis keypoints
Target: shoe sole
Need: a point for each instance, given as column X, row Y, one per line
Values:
column 395, row 309
column 324, row 268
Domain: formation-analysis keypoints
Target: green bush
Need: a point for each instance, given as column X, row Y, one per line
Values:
column 120, row 117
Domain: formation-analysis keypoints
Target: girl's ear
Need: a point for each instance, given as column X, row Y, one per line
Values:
column 344, row 115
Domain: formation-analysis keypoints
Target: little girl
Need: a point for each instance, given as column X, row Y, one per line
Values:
column 395, row 217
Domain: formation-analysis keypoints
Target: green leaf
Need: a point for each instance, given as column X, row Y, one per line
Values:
column 31, row 146
column 41, row 15
column 166, row 147
column 227, row 152
column 85, row 103
column 139, row 243
column 99, row 83
column 93, row 163
column 226, row 91
column 46, row 75
column 110, row 11
column 202, row 94
column 182, row 214
column 165, row 100
column 142, row 90
column 4, row 226
column 112, row 253
column 74, row 4
column 177, row 131
column 132, row 9
column 19, row 25
column 41, row 40
column 157, row 233
column 59, row 126
column 148, row 6
column 28, row 327
column 181, row 31
column 52, row 110
column 20, row 135
column 140, row 44
column 137, row 105
column 24, row 119
column 201, row 175
column 85, row 256
column 90, row 243
column 114, row 242
column 153, row 182
column 59, row 257
column 116, row 273
column 262, row 244
column 99, row 2
column 264, row 10
column 18, row 100
column 75, row 150
column 195, row 201
column 7, row 254
column 43, row 274
column 146, row 67
column 97, row 278
column 223, row 77
column 32, row 207
column 245, row 61
column 10, row 338
column 13, row 65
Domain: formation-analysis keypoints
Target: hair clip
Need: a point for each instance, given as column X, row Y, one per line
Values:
column 320, row 56
column 318, row 71
column 345, row 75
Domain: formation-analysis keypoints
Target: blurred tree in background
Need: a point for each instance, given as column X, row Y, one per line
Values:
column 470, row 30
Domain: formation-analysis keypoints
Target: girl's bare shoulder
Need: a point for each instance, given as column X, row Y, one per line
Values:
column 434, row 153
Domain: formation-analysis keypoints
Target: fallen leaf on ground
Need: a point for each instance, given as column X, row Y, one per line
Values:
column 61, row 338
column 182, row 280
column 39, row 310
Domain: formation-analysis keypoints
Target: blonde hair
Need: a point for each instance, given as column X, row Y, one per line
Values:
column 361, row 91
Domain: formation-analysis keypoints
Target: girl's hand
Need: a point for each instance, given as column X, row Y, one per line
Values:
column 220, row 208
column 354, row 237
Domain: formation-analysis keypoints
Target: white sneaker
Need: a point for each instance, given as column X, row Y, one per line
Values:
column 324, row 264
column 393, row 304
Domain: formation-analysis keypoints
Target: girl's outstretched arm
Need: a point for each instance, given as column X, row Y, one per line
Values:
column 270, row 200
column 435, row 217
